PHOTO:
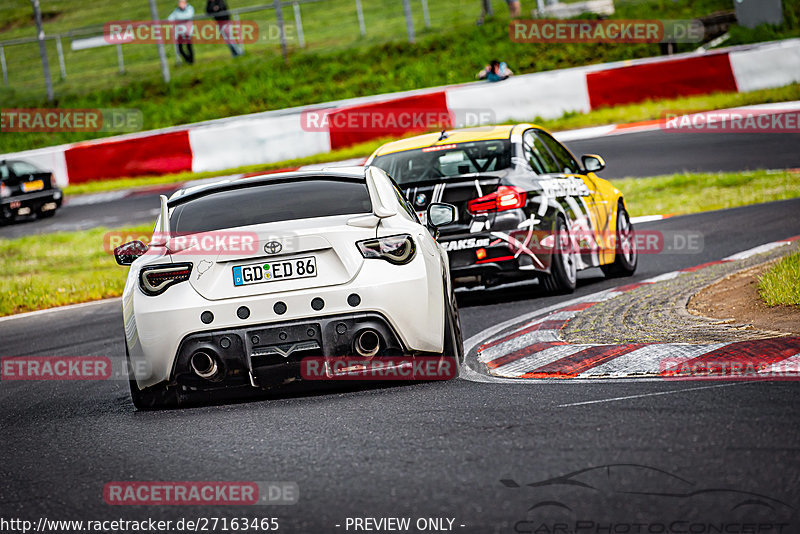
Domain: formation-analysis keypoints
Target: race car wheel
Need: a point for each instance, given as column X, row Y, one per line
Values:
column 453, row 344
column 46, row 214
column 152, row 398
column 563, row 274
column 626, row 257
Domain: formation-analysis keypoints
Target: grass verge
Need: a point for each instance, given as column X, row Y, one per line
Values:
column 44, row 271
column 49, row 270
column 691, row 193
column 649, row 110
column 780, row 285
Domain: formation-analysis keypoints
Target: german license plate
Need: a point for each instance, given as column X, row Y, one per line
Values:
column 272, row 271
column 36, row 185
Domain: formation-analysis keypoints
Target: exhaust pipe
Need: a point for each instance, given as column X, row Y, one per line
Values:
column 204, row 365
column 368, row 343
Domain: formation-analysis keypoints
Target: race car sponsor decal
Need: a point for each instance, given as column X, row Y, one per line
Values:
column 564, row 187
column 462, row 244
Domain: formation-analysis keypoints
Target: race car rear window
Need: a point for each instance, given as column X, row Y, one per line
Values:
column 271, row 202
column 442, row 161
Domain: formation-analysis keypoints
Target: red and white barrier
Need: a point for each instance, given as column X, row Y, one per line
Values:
column 281, row 135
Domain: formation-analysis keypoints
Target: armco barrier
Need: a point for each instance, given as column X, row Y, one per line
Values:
column 663, row 79
column 762, row 67
column 543, row 94
column 280, row 135
column 116, row 158
column 254, row 140
column 341, row 121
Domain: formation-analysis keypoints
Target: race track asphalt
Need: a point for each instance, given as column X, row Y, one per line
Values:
column 430, row 449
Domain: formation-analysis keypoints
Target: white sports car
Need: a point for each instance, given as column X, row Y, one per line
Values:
column 245, row 279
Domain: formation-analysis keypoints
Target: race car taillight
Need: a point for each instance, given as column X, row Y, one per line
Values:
column 505, row 198
column 4, row 191
column 397, row 249
column 155, row 279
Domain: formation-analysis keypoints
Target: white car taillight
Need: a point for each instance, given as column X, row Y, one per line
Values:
column 397, row 249
column 155, row 279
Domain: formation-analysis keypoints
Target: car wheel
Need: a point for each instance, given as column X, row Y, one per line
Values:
column 152, row 398
column 46, row 214
column 453, row 342
column 563, row 274
column 626, row 257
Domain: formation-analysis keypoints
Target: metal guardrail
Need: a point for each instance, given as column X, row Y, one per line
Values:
column 97, row 30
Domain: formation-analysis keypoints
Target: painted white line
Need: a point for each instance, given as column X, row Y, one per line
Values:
column 585, row 133
column 647, row 218
column 662, row 277
column 643, row 395
column 95, row 198
column 69, row 307
column 756, row 250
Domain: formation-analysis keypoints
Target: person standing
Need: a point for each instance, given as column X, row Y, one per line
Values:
column 218, row 9
column 183, row 15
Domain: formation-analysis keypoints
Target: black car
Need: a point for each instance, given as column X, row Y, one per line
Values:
column 526, row 207
column 26, row 190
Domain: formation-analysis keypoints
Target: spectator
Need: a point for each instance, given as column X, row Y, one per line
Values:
column 495, row 71
column 183, row 31
column 514, row 8
column 218, row 9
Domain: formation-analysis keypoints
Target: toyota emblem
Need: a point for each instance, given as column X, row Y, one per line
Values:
column 273, row 247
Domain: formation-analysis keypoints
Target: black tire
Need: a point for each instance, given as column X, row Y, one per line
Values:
column 152, row 398
column 626, row 257
column 563, row 276
column 453, row 342
column 46, row 214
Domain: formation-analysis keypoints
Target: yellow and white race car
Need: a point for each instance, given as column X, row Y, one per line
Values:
column 526, row 207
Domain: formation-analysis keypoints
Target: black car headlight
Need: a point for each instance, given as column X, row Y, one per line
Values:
column 396, row 249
